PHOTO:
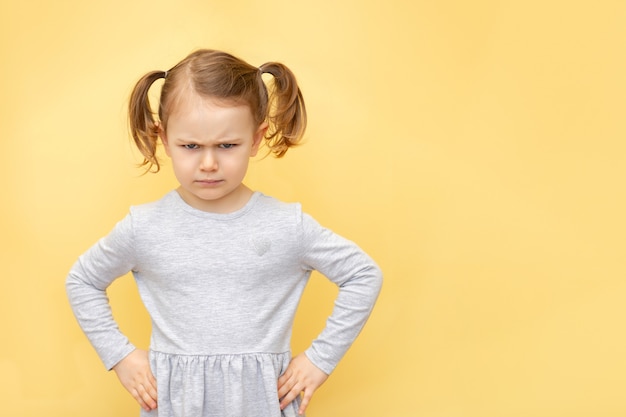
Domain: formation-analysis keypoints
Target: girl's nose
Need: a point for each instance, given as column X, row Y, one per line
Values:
column 209, row 161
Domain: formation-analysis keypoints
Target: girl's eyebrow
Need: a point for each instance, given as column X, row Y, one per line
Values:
column 228, row 140
column 186, row 140
column 216, row 141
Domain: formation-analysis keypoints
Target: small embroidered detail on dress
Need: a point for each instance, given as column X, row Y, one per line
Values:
column 261, row 246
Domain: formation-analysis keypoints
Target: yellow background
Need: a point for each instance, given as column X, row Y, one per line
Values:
column 474, row 148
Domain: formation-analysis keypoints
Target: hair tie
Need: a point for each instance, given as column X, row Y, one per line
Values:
column 165, row 74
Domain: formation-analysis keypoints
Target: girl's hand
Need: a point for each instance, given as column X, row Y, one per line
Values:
column 136, row 376
column 301, row 376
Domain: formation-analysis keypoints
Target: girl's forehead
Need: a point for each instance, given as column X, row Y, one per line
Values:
column 189, row 100
column 211, row 106
column 212, row 116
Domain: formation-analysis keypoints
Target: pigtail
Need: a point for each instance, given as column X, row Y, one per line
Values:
column 143, row 126
column 286, row 111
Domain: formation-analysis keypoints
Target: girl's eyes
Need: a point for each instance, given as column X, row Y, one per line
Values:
column 192, row 146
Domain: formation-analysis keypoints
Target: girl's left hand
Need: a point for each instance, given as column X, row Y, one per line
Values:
column 301, row 376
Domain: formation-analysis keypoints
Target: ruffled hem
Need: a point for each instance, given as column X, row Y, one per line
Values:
column 230, row 385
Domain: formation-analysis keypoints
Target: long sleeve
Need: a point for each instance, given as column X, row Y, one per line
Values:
column 86, row 284
column 359, row 280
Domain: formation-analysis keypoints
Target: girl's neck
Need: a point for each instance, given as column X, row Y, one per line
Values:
column 236, row 200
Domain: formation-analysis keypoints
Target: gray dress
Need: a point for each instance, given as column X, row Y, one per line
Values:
column 222, row 291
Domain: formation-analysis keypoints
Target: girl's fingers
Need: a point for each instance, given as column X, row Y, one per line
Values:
column 145, row 399
column 285, row 384
column 305, row 401
column 290, row 396
column 136, row 376
column 152, row 388
column 139, row 400
column 301, row 376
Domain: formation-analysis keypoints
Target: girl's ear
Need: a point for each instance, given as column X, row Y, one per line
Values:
column 258, row 138
column 163, row 137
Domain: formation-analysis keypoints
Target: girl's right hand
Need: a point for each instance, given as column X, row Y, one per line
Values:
column 136, row 376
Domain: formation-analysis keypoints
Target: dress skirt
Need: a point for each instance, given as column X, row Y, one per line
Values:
column 226, row 385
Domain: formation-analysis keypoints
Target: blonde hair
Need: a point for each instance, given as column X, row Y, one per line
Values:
column 216, row 74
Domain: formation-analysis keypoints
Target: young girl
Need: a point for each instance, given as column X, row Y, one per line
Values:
column 220, row 268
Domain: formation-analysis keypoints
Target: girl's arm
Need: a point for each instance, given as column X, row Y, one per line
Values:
column 86, row 284
column 359, row 280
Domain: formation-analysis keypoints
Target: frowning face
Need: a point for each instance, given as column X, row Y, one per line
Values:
column 210, row 144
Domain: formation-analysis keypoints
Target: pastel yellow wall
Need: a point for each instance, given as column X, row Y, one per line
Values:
column 475, row 148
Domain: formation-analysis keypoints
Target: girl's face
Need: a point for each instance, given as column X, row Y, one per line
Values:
column 210, row 144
